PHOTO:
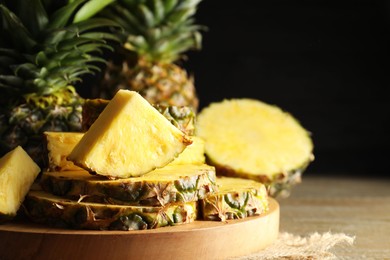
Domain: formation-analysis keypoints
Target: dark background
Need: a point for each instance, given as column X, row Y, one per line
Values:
column 325, row 62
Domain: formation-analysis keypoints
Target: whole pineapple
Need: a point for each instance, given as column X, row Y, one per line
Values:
column 155, row 34
column 44, row 51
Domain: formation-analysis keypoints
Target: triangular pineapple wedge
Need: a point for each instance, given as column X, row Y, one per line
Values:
column 59, row 145
column 236, row 198
column 45, row 208
column 129, row 138
column 176, row 183
column 17, row 173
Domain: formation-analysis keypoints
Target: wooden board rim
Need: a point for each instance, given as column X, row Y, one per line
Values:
column 185, row 240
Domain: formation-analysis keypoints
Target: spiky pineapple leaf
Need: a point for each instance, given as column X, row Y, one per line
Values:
column 157, row 30
column 33, row 16
column 14, row 30
column 90, row 9
column 61, row 17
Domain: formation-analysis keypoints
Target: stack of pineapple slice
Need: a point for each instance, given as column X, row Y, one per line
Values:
column 134, row 169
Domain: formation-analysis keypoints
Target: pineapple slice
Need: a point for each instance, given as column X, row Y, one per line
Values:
column 176, row 183
column 129, row 138
column 17, row 173
column 46, row 208
column 236, row 198
column 59, row 146
column 193, row 154
column 250, row 139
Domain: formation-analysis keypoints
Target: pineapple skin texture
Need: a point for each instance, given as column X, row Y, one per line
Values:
column 45, row 208
column 59, row 146
column 180, row 183
column 129, row 138
column 17, row 173
column 236, row 198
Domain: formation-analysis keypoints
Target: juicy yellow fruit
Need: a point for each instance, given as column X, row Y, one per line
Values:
column 235, row 198
column 248, row 138
column 17, row 173
column 193, row 154
column 59, row 146
column 129, row 138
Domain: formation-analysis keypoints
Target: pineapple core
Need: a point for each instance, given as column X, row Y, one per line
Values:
column 129, row 138
column 17, row 173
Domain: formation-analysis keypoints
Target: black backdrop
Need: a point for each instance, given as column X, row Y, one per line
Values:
column 326, row 62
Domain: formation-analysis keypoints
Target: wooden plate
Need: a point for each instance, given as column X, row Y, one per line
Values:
column 198, row 240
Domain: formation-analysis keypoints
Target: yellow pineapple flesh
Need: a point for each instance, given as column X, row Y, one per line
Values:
column 17, row 173
column 250, row 139
column 129, row 138
column 193, row 154
column 59, row 146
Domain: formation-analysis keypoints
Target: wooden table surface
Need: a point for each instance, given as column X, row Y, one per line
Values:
column 358, row 207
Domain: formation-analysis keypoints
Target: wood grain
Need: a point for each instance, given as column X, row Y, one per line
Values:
column 358, row 207
column 198, row 240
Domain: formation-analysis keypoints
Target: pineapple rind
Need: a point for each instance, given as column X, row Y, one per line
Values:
column 250, row 139
column 236, row 198
column 129, row 138
column 176, row 183
column 45, row 208
column 17, row 173
column 279, row 185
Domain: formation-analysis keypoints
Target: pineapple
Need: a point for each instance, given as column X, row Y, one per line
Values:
column 193, row 154
column 155, row 34
column 48, row 209
column 128, row 139
column 59, row 146
column 43, row 54
column 92, row 108
column 178, row 183
column 17, row 173
column 236, row 198
column 251, row 139
column 181, row 117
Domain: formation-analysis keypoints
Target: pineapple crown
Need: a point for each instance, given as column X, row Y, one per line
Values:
column 46, row 46
column 157, row 30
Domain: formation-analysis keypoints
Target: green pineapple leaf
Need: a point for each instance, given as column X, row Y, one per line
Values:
column 90, row 9
column 14, row 30
column 61, row 17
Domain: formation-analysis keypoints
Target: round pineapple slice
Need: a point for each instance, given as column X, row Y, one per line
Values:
column 250, row 139
column 236, row 198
